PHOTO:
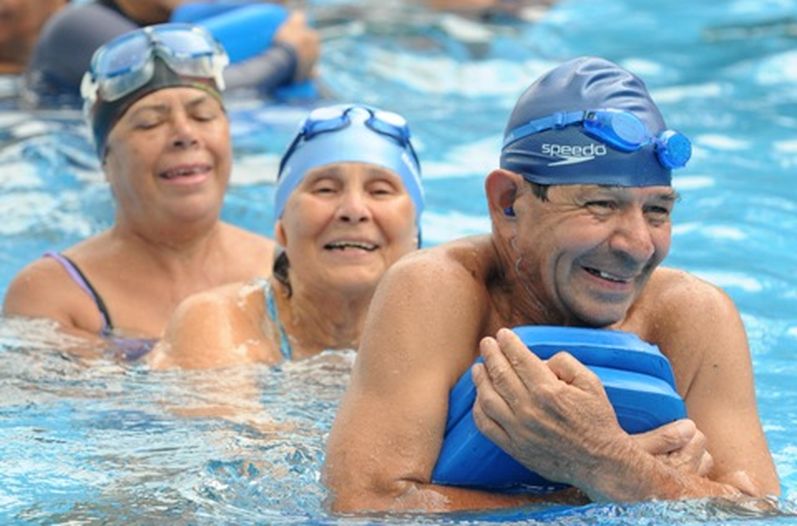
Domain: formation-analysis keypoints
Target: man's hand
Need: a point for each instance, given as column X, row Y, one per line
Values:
column 553, row 417
column 304, row 40
column 680, row 445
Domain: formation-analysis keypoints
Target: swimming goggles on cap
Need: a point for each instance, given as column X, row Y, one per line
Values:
column 333, row 118
column 621, row 130
column 126, row 63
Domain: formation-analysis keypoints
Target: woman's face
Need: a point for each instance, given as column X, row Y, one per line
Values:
column 169, row 157
column 344, row 225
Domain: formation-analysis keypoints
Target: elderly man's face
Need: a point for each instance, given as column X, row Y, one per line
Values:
column 588, row 251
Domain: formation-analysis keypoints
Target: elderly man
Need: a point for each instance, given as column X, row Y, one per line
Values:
column 580, row 212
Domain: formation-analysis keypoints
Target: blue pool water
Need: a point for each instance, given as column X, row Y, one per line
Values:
column 97, row 442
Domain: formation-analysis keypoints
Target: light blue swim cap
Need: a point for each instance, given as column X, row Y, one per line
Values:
column 350, row 133
column 589, row 121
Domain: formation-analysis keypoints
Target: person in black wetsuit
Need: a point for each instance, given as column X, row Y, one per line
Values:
column 69, row 39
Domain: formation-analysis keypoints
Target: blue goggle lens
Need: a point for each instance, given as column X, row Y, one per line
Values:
column 621, row 130
column 673, row 149
column 124, row 64
column 128, row 53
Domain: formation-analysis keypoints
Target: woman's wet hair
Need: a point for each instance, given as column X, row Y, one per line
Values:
column 280, row 270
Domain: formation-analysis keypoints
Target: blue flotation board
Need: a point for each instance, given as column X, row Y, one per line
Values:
column 638, row 380
column 245, row 28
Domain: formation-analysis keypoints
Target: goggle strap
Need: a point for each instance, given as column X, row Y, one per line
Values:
column 557, row 120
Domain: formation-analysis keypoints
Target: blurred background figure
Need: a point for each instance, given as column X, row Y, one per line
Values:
column 270, row 46
column 20, row 24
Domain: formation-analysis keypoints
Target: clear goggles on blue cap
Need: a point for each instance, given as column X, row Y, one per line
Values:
column 621, row 130
column 126, row 63
column 333, row 118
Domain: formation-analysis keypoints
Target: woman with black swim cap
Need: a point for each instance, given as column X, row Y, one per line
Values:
column 152, row 99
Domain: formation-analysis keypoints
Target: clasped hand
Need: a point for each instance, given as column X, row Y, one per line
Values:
column 554, row 418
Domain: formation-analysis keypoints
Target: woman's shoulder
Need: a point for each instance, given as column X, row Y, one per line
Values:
column 247, row 239
column 251, row 252
column 193, row 340
column 50, row 287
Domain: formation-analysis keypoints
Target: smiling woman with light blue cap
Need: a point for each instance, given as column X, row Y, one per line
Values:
column 350, row 133
column 347, row 206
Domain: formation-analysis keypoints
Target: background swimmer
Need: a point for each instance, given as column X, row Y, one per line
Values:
column 83, row 28
column 163, row 137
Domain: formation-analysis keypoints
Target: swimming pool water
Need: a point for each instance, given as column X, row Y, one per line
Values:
column 90, row 442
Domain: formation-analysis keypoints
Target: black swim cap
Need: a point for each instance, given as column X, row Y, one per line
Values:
column 104, row 115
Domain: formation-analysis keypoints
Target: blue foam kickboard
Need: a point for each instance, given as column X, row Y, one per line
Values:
column 639, row 384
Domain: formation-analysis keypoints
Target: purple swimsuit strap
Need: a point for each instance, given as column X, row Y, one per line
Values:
column 80, row 279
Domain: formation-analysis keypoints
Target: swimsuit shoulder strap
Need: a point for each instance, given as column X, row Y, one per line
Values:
column 82, row 281
column 271, row 307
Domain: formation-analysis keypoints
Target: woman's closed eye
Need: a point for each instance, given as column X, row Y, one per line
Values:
column 205, row 112
column 382, row 189
column 147, row 119
column 324, row 187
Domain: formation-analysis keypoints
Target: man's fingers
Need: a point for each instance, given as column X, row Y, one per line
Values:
column 573, row 372
column 667, row 438
column 487, row 406
column 530, row 369
column 501, row 372
column 488, row 401
column 706, row 464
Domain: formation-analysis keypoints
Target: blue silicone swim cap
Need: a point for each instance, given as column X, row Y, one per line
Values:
column 350, row 133
column 589, row 121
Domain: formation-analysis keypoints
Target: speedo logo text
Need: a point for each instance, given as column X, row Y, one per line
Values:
column 569, row 154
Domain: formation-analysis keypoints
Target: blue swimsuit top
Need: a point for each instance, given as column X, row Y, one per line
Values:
column 271, row 307
column 128, row 348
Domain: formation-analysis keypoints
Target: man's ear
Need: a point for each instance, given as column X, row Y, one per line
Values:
column 279, row 233
column 502, row 188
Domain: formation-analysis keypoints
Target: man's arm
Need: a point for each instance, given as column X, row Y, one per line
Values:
column 705, row 336
column 420, row 335
column 552, row 416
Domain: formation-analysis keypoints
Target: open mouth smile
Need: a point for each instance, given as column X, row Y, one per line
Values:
column 607, row 276
column 347, row 245
column 185, row 171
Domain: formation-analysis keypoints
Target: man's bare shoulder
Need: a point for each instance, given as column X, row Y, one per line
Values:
column 684, row 314
column 468, row 259
column 678, row 293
